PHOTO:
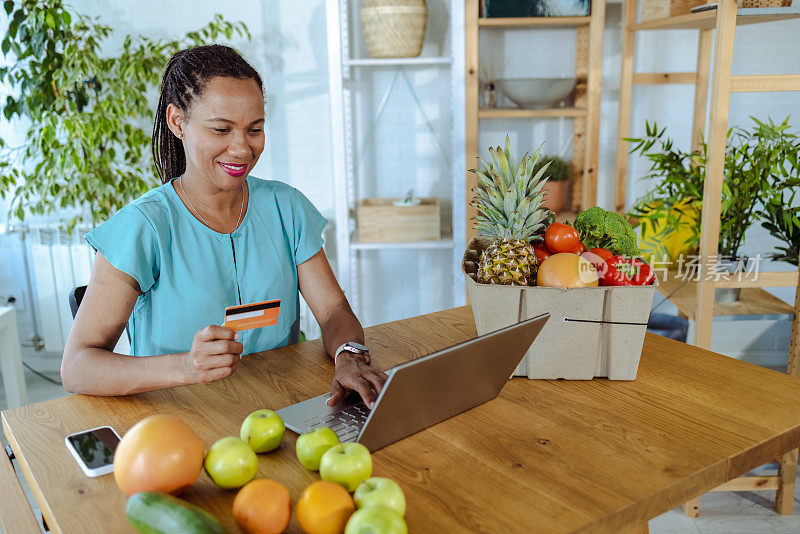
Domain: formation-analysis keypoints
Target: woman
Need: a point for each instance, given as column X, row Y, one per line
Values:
column 170, row 262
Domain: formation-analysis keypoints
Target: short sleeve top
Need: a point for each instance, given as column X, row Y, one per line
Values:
column 189, row 274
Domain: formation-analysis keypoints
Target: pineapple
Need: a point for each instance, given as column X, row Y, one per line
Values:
column 510, row 213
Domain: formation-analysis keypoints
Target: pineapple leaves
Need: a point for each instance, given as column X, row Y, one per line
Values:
column 484, row 179
column 510, row 201
column 537, row 181
column 524, row 208
column 508, row 197
column 496, row 198
column 523, row 172
column 501, row 165
column 521, row 184
column 500, row 185
column 509, row 155
column 491, row 214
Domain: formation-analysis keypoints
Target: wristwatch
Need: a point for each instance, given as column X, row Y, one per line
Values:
column 355, row 348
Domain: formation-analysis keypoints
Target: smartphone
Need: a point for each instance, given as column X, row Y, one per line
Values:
column 94, row 450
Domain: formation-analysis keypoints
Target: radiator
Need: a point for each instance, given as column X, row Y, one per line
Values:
column 58, row 262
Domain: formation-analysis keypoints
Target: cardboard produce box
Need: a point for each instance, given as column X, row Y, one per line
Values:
column 592, row 331
column 379, row 220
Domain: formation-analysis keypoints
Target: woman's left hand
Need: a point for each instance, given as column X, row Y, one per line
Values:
column 353, row 374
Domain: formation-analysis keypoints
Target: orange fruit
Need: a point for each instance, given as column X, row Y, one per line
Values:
column 262, row 506
column 159, row 453
column 566, row 270
column 324, row 508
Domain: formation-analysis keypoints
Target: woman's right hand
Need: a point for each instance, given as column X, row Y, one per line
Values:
column 214, row 354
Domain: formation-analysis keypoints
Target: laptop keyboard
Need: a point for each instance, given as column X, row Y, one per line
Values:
column 346, row 423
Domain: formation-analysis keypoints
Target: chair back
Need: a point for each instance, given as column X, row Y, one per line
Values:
column 75, row 298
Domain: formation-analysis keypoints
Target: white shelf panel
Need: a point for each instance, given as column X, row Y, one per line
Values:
column 393, row 62
column 445, row 243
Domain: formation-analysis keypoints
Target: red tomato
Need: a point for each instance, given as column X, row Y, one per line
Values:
column 579, row 249
column 602, row 252
column 560, row 237
column 541, row 252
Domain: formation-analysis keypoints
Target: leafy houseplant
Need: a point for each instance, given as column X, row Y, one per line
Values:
column 755, row 163
column 782, row 219
column 781, row 214
column 87, row 144
column 556, row 187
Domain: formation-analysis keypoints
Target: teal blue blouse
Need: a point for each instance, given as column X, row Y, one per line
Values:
column 189, row 274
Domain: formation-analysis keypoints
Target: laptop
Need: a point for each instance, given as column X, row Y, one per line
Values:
column 425, row 391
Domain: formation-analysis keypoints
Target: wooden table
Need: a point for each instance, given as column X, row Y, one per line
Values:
column 545, row 456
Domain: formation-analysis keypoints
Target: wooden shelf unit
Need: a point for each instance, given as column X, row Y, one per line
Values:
column 585, row 112
column 696, row 301
column 524, row 22
column 707, row 20
column 502, row 113
column 754, row 302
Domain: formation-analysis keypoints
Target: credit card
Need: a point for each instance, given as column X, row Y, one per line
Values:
column 256, row 315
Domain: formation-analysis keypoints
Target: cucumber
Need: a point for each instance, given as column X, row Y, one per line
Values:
column 151, row 512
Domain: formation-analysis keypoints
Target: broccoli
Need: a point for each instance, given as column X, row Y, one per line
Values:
column 608, row 229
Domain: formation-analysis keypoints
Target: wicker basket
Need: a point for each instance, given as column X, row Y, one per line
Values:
column 394, row 28
column 765, row 3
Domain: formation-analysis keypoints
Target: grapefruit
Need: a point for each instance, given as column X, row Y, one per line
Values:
column 566, row 270
column 159, row 453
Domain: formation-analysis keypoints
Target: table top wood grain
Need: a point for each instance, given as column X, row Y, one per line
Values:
column 550, row 456
column 16, row 515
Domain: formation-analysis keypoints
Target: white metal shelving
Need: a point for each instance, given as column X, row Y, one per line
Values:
column 342, row 71
column 391, row 62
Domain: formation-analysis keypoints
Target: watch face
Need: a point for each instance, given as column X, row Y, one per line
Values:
column 358, row 346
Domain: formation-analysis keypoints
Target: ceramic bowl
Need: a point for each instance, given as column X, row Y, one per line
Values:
column 536, row 92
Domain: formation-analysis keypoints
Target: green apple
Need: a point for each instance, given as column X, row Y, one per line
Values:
column 379, row 491
column 231, row 463
column 373, row 519
column 263, row 430
column 312, row 445
column 347, row 464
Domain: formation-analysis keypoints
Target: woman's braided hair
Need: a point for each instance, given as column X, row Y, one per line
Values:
column 185, row 78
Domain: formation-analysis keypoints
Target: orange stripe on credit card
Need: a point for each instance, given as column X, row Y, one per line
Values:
column 256, row 315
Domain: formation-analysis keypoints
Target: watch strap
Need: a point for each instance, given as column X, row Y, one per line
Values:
column 348, row 347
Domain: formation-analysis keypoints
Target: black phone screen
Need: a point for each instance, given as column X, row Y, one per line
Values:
column 95, row 447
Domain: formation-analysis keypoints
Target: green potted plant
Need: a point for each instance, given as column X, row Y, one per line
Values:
column 780, row 213
column 556, row 187
column 87, row 145
column 672, row 209
column 781, row 218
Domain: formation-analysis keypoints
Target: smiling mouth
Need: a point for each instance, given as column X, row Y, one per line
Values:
column 234, row 166
column 236, row 170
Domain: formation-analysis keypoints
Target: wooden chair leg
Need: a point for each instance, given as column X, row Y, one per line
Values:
column 787, row 470
column 692, row 508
